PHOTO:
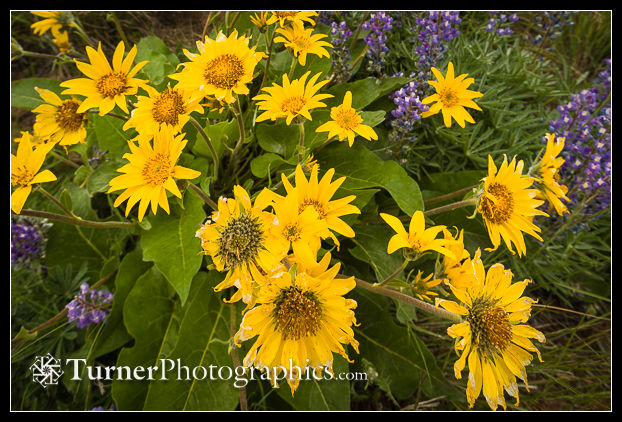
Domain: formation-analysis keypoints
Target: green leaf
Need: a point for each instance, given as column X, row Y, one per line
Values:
column 278, row 138
column 23, row 92
column 172, row 245
column 162, row 61
column 401, row 361
column 264, row 164
column 98, row 180
column 110, row 135
column 371, row 246
column 147, row 315
column 114, row 334
column 202, row 341
column 364, row 169
column 321, row 395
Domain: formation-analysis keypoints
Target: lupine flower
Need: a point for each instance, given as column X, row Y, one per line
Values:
column 500, row 23
column 89, row 306
column 340, row 34
column 380, row 23
column 26, row 243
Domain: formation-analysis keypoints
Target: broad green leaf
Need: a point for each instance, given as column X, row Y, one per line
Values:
column 202, row 341
column 110, row 135
column 371, row 246
column 98, row 180
column 364, row 169
column 401, row 361
column 114, row 334
column 266, row 163
column 328, row 394
column 147, row 315
column 172, row 245
column 222, row 135
column 162, row 62
column 23, row 92
column 278, row 138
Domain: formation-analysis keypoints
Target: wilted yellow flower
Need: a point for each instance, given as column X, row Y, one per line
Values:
column 50, row 21
column 452, row 96
column 347, row 123
column 260, row 20
column 492, row 339
column 106, row 86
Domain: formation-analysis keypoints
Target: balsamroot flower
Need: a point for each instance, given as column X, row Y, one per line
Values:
column 291, row 16
column 508, row 206
column 106, row 86
column 151, row 172
column 493, row 339
column 347, row 123
column 300, row 322
column 547, row 179
column 451, row 97
column 58, row 120
column 303, row 41
column 223, row 67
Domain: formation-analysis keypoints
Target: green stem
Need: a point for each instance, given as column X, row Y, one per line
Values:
column 213, row 205
column 209, row 144
column 56, row 202
column 265, row 72
column 117, row 24
column 392, row 276
column 449, row 207
column 449, row 195
column 77, row 221
column 419, row 304
column 301, row 142
column 238, row 115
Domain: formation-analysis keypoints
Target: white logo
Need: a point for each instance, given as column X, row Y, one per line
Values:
column 46, row 370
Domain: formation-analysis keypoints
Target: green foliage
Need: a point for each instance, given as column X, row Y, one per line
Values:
column 166, row 312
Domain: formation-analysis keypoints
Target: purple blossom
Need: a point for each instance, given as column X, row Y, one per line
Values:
column 500, row 23
column 379, row 23
column 339, row 35
column 89, row 306
column 585, row 123
column 26, row 242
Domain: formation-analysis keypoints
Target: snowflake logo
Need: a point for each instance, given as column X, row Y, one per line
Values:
column 46, row 370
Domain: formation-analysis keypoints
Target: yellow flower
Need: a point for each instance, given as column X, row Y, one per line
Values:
column 508, row 206
column 224, row 66
column 50, row 21
column 451, row 97
column 151, row 172
column 456, row 271
column 300, row 229
column 421, row 286
column 317, row 194
column 260, row 20
column 292, row 99
column 25, row 166
column 170, row 107
column 347, row 123
column 418, row 239
column 492, row 339
column 300, row 322
column 61, row 39
column 106, row 86
column 58, row 120
column 239, row 238
column 548, row 175
column 285, row 16
column 302, row 41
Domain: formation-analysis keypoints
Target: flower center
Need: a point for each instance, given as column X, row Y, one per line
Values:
column 292, row 105
column 301, row 42
column 297, row 314
column 448, row 97
column 491, row 329
column 319, row 208
column 167, row 107
column 224, row 71
column 240, row 240
column 111, row 85
column 285, row 13
column 67, row 118
column 292, row 232
column 496, row 204
column 157, row 170
column 347, row 119
column 21, row 177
